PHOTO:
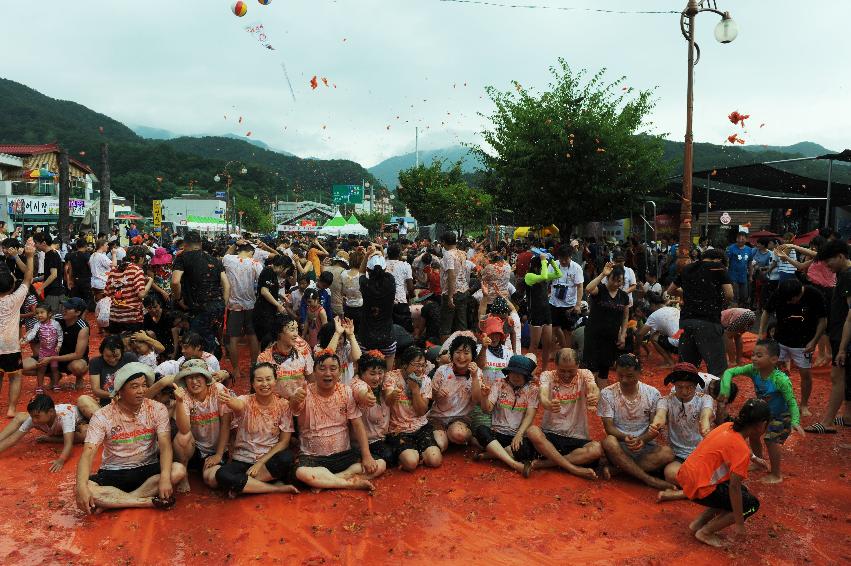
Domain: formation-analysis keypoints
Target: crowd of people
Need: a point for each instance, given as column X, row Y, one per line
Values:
column 354, row 356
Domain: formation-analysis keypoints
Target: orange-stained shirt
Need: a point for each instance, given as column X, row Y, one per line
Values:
column 722, row 451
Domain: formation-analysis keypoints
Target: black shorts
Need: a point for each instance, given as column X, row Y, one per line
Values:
column 384, row 450
column 565, row 444
column 720, row 499
column 334, row 463
column 419, row 440
column 485, row 435
column 10, row 363
column 234, row 475
column 64, row 366
column 600, row 353
column 564, row 317
column 126, row 480
column 196, row 462
column 665, row 343
column 540, row 315
column 240, row 323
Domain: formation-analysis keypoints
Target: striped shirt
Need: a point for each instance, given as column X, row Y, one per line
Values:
column 125, row 289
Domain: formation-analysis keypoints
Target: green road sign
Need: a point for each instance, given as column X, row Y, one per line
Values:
column 347, row 194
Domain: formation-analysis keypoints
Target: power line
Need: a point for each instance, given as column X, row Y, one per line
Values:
column 561, row 8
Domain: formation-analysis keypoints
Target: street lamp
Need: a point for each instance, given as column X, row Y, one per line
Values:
column 366, row 185
column 229, row 181
column 725, row 32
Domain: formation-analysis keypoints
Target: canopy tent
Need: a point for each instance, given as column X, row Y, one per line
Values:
column 756, row 236
column 345, row 230
column 337, row 221
column 531, row 231
column 339, row 226
column 805, row 239
column 753, row 183
column 841, row 156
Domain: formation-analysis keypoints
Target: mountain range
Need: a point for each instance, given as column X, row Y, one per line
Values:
column 137, row 162
column 142, row 154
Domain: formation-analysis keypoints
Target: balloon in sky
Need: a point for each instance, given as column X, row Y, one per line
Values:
column 265, row 2
column 240, row 8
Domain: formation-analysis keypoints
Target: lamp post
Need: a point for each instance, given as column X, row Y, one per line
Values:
column 366, row 185
column 725, row 32
column 228, row 182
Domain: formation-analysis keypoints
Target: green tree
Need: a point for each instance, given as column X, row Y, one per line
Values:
column 578, row 152
column 373, row 221
column 433, row 194
column 256, row 218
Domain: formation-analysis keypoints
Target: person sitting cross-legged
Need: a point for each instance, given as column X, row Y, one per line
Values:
column 136, row 468
column 566, row 395
column 511, row 402
column 325, row 409
column 688, row 414
column 627, row 408
column 203, row 424
column 260, row 461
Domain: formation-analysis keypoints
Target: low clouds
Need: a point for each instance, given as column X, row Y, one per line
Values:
column 182, row 66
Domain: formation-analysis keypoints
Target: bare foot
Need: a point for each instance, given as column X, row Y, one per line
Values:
column 661, row 485
column 805, row 412
column 10, row 414
column 696, row 525
column 605, row 471
column 771, row 478
column 183, row 486
column 708, row 538
column 669, row 495
column 758, row 463
column 360, row 483
column 584, row 473
column 286, row 488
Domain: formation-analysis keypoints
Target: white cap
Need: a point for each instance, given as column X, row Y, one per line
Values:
column 376, row 261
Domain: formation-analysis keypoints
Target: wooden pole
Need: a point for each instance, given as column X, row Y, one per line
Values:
column 64, row 194
column 688, row 159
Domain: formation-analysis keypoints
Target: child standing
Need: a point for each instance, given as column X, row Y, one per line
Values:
column 712, row 476
column 773, row 387
column 316, row 317
column 49, row 342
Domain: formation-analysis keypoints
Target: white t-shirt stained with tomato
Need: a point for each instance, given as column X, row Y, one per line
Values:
column 129, row 441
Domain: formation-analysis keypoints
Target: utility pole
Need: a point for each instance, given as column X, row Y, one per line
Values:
column 64, row 193
column 417, row 144
column 105, row 189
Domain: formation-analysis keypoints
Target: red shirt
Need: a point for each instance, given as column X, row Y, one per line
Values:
column 125, row 289
column 433, row 276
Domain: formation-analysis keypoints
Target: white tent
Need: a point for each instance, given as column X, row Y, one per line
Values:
column 356, row 229
column 339, row 226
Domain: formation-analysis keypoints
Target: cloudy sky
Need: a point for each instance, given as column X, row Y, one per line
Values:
column 183, row 65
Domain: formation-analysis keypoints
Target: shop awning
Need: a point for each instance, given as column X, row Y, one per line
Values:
column 759, row 181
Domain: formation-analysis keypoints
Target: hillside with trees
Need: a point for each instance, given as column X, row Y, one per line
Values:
column 147, row 169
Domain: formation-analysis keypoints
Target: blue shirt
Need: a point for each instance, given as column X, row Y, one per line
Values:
column 739, row 259
column 762, row 259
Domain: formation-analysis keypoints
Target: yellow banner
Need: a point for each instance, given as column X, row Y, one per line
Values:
column 157, row 212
